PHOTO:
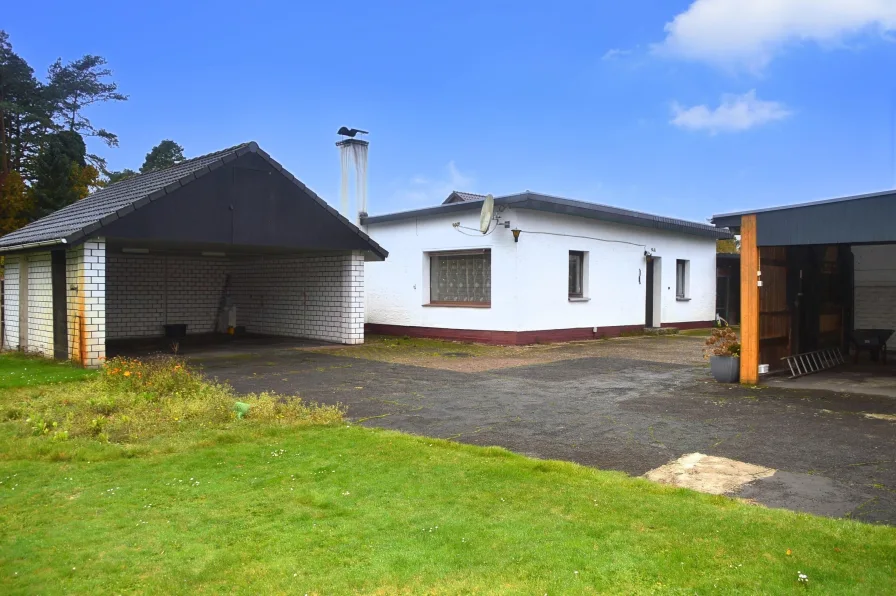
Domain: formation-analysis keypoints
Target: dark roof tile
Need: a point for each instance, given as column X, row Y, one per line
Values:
column 74, row 218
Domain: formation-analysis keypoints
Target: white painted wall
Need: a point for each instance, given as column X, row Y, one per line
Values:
column 875, row 288
column 529, row 278
column 396, row 290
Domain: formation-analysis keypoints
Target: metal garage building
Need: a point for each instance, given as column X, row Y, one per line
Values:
column 229, row 239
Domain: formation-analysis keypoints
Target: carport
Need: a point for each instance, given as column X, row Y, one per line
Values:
column 227, row 243
column 812, row 275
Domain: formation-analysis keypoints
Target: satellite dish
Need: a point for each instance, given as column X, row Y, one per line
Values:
column 485, row 217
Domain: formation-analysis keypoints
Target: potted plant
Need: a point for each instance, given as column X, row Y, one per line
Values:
column 723, row 350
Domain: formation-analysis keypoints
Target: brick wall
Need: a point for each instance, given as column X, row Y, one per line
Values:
column 11, row 302
column 875, row 288
column 38, row 315
column 85, row 280
column 149, row 291
column 319, row 297
column 40, row 304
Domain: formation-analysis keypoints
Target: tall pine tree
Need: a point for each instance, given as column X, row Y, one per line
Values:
column 164, row 155
column 63, row 175
column 43, row 160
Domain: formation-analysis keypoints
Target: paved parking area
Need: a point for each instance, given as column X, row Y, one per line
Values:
column 629, row 408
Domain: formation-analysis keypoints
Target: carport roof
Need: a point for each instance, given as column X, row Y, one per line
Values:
column 858, row 219
column 85, row 218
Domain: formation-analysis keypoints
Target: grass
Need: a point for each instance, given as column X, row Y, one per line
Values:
column 21, row 370
column 131, row 401
column 256, row 506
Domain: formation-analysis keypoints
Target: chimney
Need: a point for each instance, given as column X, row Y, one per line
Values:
column 353, row 152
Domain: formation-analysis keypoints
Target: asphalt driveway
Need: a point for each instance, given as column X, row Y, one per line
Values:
column 631, row 412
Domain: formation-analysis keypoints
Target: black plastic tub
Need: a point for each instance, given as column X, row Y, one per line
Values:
column 176, row 331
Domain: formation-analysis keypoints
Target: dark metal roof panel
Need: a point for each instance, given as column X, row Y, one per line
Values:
column 551, row 204
column 866, row 221
column 860, row 219
column 738, row 214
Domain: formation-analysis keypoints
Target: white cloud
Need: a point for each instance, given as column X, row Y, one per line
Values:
column 736, row 113
column 422, row 189
column 748, row 33
column 615, row 53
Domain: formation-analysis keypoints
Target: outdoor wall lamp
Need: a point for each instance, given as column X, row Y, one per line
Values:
column 516, row 234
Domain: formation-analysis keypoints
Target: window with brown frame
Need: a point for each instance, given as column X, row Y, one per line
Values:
column 460, row 278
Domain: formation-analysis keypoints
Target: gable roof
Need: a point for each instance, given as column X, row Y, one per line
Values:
column 457, row 196
column 84, row 218
column 552, row 204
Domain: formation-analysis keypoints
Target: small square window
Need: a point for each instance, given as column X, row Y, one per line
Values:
column 576, row 274
column 681, row 278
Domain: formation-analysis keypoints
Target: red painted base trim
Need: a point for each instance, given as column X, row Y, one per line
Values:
column 504, row 338
column 691, row 324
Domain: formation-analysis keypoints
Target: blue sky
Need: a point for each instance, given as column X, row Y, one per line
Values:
column 683, row 108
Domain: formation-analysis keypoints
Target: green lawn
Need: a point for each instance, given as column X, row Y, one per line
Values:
column 256, row 508
column 20, row 370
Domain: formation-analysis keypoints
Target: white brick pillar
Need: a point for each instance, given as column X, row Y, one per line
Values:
column 12, row 270
column 353, row 299
column 85, row 279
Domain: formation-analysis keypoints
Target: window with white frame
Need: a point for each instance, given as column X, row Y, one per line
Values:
column 576, row 274
column 682, row 285
column 460, row 278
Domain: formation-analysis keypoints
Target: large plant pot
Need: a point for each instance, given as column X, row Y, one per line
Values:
column 725, row 369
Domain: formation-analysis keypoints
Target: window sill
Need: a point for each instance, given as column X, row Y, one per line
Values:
column 680, row 299
column 460, row 304
column 581, row 299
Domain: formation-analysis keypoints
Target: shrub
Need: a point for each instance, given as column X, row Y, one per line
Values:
column 722, row 342
column 133, row 400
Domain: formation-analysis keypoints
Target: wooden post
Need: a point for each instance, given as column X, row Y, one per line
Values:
column 749, row 301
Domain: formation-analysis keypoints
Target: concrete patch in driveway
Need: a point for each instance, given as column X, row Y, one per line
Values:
column 772, row 488
column 708, row 473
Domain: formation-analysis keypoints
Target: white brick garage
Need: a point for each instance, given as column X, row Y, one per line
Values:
column 310, row 296
column 228, row 232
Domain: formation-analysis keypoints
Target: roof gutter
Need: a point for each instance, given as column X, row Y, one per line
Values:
column 30, row 245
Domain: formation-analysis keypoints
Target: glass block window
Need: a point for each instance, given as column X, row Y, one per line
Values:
column 461, row 277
